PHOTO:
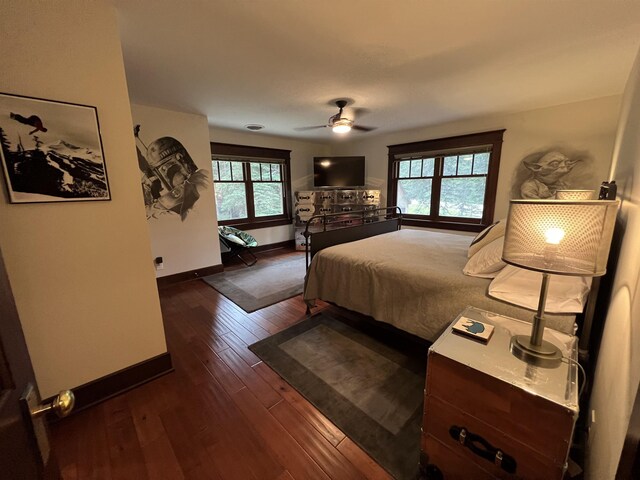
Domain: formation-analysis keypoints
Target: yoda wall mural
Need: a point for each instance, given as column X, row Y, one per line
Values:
column 542, row 173
column 171, row 181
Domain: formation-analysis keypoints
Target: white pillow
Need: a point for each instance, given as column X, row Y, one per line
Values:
column 486, row 236
column 487, row 262
column 521, row 287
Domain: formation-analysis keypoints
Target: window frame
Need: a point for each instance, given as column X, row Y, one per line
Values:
column 440, row 148
column 247, row 155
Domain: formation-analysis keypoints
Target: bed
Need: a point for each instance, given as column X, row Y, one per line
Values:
column 411, row 279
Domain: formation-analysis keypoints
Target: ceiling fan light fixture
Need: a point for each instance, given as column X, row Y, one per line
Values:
column 342, row 125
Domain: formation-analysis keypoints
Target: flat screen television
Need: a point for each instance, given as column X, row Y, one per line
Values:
column 338, row 171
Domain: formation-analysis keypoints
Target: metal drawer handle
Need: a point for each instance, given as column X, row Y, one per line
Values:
column 484, row 449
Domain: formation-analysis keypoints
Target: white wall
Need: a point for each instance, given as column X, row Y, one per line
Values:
column 191, row 243
column 588, row 125
column 80, row 272
column 618, row 370
column 302, row 154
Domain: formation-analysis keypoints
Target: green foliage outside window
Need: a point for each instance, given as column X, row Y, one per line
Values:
column 231, row 201
column 267, row 199
column 266, row 182
column 462, row 197
column 462, row 185
column 414, row 196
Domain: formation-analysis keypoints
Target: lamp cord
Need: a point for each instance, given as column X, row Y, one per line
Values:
column 584, row 375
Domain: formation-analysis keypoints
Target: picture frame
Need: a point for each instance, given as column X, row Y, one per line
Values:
column 51, row 151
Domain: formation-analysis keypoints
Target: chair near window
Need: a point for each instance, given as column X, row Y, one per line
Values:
column 238, row 243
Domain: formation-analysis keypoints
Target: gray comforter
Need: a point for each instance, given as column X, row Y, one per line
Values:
column 411, row 279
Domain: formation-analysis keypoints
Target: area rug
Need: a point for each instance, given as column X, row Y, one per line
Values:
column 371, row 391
column 264, row 284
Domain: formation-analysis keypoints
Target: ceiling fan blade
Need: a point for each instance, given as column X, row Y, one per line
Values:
column 362, row 128
column 302, row 129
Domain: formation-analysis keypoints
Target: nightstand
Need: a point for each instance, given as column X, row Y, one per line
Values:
column 488, row 414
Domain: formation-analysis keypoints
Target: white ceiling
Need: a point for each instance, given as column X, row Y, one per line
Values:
column 410, row 63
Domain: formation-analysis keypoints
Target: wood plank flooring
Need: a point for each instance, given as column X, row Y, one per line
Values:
column 223, row 414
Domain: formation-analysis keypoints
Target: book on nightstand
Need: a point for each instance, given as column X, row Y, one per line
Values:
column 473, row 329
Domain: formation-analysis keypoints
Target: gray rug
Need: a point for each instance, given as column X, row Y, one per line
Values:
column 264, row 284
column 371, row 391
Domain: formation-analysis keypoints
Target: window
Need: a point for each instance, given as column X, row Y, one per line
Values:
column 448, row 182
column 252, row 185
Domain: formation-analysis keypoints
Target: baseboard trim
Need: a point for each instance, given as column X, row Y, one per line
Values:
column 119, row 382
column 189, row 275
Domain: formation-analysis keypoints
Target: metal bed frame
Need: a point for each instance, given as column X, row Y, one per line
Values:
column 367, row 224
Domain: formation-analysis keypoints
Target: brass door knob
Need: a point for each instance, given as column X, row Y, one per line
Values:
column 62, row 405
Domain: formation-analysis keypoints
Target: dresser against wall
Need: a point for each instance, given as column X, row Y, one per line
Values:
column 323, row 202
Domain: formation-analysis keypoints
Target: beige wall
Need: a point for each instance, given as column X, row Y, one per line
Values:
column 80, row 272
column 618, row 369
column 584, row 126
column 192, row 243
column 302, row 154
column 588, row 125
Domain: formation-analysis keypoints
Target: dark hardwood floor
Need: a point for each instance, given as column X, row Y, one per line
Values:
column 223, row 414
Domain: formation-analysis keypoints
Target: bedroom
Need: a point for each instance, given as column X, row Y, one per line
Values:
column 50, row 249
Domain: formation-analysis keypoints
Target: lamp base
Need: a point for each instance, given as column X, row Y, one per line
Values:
column 546, row 355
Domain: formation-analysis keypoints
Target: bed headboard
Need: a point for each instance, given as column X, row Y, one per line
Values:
column 385, row 220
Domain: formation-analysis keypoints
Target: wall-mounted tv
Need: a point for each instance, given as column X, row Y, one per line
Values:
column 338, row 171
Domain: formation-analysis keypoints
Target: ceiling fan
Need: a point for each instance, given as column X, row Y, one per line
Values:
column 338, row 123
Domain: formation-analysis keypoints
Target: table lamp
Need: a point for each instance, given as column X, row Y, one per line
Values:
column 575, row 194
column 556, row 237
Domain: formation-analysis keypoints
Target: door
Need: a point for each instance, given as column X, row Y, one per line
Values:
column 24, row 447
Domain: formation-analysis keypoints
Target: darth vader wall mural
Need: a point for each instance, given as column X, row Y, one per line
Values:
column 171, row 181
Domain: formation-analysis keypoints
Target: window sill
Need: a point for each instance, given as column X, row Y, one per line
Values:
column 463, row 227
column 257, row 225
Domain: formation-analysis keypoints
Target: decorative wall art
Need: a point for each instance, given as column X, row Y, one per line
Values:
column 542, row 173
column 51, row 151
column 171, row 181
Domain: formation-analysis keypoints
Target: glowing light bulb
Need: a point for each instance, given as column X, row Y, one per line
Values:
column 554, row 235
column 341, row 129
column 342, row 125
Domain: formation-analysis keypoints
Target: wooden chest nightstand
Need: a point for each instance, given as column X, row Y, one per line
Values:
column 488, row 414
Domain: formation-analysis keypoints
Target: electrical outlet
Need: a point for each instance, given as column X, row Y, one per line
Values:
column 159, row 266
column 159, row 263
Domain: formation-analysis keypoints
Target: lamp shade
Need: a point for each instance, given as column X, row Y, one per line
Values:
column 560, row 237
column 574, row 194
column 342, row 125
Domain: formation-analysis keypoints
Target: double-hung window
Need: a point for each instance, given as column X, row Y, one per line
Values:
column 252, row 185
column 448, row 182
